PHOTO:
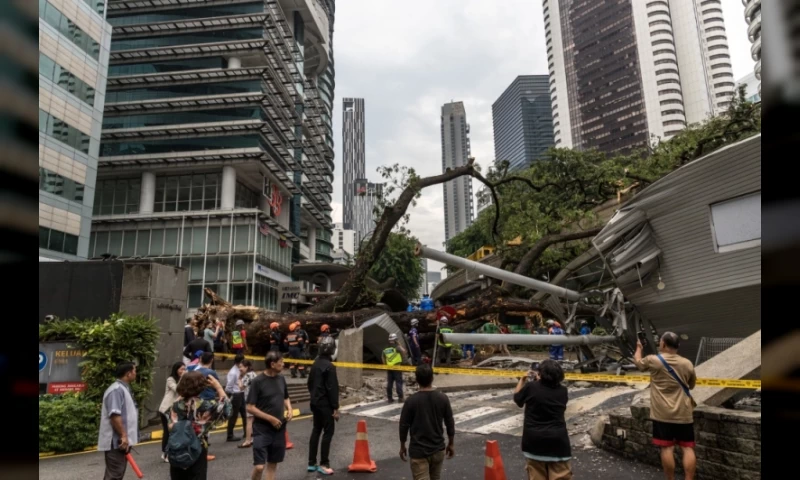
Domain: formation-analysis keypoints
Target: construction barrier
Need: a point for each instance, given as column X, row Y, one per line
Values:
column 485, row 372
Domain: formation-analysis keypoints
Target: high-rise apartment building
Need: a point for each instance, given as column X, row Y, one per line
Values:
column 752, row 15
column 523, row 121
column 353, row 156
column 215, row 154
column 344, row 244
column 625, row 71
column 458, row 203
column 365, row 199
column 74, row 41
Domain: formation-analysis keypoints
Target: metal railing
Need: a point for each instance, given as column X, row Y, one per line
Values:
column 713, row 346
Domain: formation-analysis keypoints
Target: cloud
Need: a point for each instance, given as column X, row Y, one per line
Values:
column 407, row 59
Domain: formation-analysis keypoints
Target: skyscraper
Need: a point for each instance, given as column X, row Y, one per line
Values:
column 365, row 200
column 74, row 41
column 458, row 203
column 752, row 15
column 622, row 71
column 523, row 121
column 353, row 156
column 214, row 150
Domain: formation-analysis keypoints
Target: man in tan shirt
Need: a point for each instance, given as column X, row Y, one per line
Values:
column 671, row 404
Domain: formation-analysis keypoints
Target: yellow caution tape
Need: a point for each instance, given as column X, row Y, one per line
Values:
column 515, row 374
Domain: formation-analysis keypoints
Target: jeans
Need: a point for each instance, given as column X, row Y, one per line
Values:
column 444, row 355
column 239, row 409
column 165, row 434
column 391, row 378
column 323, row 422
column 416, row 354
column 427, row 468
column 198, row 471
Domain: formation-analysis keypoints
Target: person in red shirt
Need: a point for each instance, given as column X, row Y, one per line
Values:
column 239, row 338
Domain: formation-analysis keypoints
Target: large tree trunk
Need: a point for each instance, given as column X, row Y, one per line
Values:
column 258, row 320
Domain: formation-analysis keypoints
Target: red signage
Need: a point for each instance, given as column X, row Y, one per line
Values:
column 57, row 388
column 276, row 200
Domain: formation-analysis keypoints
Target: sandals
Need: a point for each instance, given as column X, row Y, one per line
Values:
column 246, row 445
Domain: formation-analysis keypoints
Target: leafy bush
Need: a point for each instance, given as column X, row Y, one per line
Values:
column 67, row 423
column 600, row 331
column 107, row 343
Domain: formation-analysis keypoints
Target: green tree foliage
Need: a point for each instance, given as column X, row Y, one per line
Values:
column 397, row 260
column 560, row 193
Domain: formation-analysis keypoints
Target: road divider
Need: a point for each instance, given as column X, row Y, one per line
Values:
column 515, row 374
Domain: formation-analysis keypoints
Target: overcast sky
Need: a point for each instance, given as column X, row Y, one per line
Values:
column 406, row 59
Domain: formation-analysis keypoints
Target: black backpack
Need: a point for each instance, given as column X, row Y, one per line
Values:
column 183, row 447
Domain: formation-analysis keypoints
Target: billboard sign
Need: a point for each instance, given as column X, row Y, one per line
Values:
column 59, row 364
column 288, row 291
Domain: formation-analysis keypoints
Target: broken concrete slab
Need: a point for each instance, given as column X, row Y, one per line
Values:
column 741, row 361
column 351, row 350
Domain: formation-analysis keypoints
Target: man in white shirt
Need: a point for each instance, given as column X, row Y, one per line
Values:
column 119, row 422
column 237, row 399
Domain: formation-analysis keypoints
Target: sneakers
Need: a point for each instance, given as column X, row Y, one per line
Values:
column 312, row 468
column 164, row 458
column 325, row 470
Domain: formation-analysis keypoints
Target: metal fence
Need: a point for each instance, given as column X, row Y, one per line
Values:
column 711, row 347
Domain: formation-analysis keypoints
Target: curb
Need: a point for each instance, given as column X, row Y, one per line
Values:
column 158, row 434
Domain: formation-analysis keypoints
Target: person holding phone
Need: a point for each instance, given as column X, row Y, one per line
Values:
column 545, row 440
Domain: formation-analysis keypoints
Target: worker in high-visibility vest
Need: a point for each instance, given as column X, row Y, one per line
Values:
column 444, row 347
column 392, row 356
column 239, row 338
column 293, row 341
column 275, row 339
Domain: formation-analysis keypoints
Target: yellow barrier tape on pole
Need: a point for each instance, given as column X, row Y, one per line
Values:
column 515, row 374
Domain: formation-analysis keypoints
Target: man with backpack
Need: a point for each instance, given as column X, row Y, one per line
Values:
column 671, row 404
column 239, row 338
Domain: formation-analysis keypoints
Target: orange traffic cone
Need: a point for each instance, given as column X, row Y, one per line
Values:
column 493, row 467
column 361, row 458
column 289, row 444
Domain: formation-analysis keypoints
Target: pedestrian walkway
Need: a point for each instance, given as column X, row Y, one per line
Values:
column 494, row 411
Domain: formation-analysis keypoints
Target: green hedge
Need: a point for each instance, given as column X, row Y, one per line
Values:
column 70, row 422
column 67, row 423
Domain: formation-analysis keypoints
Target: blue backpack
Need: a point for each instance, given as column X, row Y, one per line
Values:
column 183, row 447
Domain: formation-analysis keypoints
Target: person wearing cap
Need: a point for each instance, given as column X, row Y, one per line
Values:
column 199, row 344
column 392, row 356
column 324, row 331
column 444, row 347
column 239, row 338
column 413, row 342
column 275, row 339
column 556, row 351
column 294, row 343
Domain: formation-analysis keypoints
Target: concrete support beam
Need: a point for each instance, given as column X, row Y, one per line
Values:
column 147, row 195
column 228, row 194
column 741, row 361
column 312, row 244
column 234, row 62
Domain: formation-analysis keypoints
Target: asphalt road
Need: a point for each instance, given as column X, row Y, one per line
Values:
column 236, row 464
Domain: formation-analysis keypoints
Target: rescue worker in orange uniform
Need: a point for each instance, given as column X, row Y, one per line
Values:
column 275, row 337
column 294, row 343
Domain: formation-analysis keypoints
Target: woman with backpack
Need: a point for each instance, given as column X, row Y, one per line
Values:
column 191, row 419
column 246, row 377
column 170, row 397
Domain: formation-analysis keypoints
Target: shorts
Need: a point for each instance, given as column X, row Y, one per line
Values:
column 671, row 434
column 269, row 447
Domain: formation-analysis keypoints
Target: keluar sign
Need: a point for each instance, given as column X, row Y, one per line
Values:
column 59, row 367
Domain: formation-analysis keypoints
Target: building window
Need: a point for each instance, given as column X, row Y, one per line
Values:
column 736, row 223
column 62, row 186
column 63, row 132
column 65, row 79
column 65, row 27
column 188, row 193
column 58, row 241
column 117, row 197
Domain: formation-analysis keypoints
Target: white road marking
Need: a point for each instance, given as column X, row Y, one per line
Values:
column 502, row 426
column 474, row 413
column 376, row 411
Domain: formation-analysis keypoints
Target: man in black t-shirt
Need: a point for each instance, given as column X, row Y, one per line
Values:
column 269, row 403
column 423, row 414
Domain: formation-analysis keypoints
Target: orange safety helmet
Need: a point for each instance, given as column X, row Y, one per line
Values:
column 325, row 328
column 293, row 327
column 274, row 326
